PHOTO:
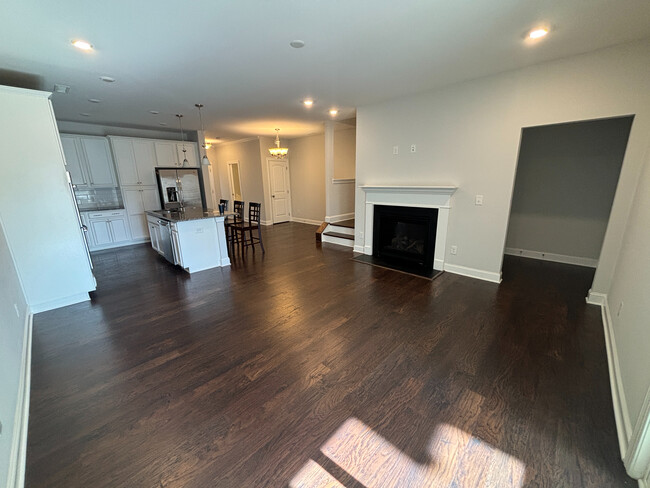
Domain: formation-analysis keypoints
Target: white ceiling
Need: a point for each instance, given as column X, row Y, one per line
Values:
column 234, row 56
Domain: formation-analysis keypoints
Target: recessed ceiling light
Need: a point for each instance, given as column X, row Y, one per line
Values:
column 308, row 102
column 83, row 45
column 538, row 33
column 163, row 123
column 94, row 100
column 154, row 112
column 107, row 79
column 297, row 43
column 333, row 111
column 84, row 114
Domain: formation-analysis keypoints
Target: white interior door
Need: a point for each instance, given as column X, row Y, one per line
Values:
column 279, row 181
column 234, row 178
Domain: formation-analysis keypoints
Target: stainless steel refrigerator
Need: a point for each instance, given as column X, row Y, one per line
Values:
column 180, row 188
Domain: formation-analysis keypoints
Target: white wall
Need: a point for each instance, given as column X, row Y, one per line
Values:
column 248, row 154
column 341, row 195
column 37, row 206
column 345, row 152
column 631, row 288
column 564, row 188
column 12, row 336
column 307, row 168
column 468, row 135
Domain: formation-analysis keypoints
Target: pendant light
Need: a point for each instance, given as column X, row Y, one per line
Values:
column 204, row 160
column 277, row 151
column 180, row 122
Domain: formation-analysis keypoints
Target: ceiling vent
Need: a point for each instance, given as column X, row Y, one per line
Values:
column 59, row 88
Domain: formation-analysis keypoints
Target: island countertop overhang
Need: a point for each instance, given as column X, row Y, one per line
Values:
column 188, row 214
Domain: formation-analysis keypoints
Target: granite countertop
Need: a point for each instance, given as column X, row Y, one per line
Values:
column 189, row 213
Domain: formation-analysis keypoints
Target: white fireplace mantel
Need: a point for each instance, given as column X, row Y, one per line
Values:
column 436, row 196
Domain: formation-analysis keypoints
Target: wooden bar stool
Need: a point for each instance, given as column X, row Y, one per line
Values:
column 234, row 220
column 240, row 229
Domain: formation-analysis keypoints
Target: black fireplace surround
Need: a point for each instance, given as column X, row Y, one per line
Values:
column 405, row 237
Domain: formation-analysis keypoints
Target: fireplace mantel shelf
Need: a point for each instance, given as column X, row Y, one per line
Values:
column 442, row 189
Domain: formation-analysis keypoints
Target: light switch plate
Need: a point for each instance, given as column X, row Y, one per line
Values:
column 479, row 200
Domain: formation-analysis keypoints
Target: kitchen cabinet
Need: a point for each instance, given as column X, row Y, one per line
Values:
column 107, row 228
column 195, row 239
column 190, row 154
column 166, row 153
column 137, row 201
column 71, row 151
column 135, row 160
column 89, row 161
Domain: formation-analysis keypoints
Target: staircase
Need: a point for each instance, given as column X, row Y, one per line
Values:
column 341, row 233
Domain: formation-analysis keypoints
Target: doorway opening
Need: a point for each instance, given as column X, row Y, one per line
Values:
column 566, row 179
column 234, row 179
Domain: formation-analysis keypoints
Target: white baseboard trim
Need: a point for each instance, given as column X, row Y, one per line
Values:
column 266, row 222
column 621, row 416
column 59, row 302
column 473, row 273
column 337, row 240
column 338, row 218
column 595, row 298
column 358, row 248
column 306, row 221
column 549, row 256
column 16, row 475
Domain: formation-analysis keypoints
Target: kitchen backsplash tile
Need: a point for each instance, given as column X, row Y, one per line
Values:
column 99, row 199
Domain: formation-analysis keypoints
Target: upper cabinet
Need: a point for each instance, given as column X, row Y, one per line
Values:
column 166, row 153
column 89, row 161
column 190, row 154
column 136, row 161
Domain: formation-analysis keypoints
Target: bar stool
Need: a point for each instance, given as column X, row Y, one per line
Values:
column 232, row 221
column 240, row 229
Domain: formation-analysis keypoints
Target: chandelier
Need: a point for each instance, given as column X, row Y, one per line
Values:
column 277, row 151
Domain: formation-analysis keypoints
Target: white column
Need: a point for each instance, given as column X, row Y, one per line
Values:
column 329, row 167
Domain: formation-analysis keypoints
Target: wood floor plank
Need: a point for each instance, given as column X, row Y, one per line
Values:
column 300, row 367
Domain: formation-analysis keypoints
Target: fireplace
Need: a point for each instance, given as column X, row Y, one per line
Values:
column 405, row 237
column 407, row 198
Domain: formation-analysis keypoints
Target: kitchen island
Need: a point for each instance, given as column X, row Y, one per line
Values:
column 192, row 238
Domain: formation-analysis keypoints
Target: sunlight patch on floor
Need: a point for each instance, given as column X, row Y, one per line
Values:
column 457, row 459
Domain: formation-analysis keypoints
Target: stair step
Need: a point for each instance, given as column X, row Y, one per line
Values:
column 344, row 223
column 339, row 235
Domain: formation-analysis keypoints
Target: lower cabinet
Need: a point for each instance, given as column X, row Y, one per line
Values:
column 137, row 201
column 107, row 229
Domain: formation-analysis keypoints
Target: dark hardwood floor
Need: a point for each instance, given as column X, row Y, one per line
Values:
column 301, row 367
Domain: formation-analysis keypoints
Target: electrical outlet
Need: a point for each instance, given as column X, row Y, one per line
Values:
column 413, row 148
column 620, row 307
column 453, row 250
column 479, row 200
column 16, row 309
column 395, row 149
column 199, row 230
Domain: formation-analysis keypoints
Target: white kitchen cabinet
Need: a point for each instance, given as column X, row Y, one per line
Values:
column 166, row 154
column 137, row 201
column 135, row 160
column 190, row 154
column 108, row 228
column 101, row 232
column 125, row 161
column 71, row 151
column 101, row 170
column 89, row 161
column 154, row 233
column 145, row 161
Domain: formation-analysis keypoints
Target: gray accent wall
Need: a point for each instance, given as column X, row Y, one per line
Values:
column 565, row 184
